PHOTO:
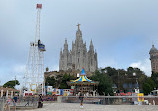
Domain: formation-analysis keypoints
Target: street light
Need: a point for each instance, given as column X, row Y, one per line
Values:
column 15, row 85
column 136, row 89
column 118, row 81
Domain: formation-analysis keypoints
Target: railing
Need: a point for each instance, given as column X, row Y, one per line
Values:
column 27, row 101
column 2, row 103
column 112, row 100
column 49, row 98
column 22, row 103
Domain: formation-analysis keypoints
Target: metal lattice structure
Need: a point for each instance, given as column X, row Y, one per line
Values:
column 34, row 76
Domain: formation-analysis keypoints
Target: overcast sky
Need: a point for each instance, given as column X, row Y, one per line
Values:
column 122, row 31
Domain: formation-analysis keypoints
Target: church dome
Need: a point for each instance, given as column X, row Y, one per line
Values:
column 153, row 49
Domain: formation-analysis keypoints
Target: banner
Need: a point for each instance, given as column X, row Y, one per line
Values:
column 49, row 89
column 57, row 92
column 61, row 92
column 54, row 91
column 140, row 97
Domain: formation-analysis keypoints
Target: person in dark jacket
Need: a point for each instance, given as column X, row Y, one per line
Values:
column 40, row 102
column 81, row 96
column 27, row 100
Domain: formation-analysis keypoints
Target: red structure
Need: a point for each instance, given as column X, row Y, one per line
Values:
column 39, row 6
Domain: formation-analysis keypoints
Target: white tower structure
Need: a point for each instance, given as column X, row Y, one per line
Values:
column 34, row 76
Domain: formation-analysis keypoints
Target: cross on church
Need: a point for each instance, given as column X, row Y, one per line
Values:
column 78, row 26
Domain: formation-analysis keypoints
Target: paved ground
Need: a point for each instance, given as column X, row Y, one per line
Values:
column 92, row 107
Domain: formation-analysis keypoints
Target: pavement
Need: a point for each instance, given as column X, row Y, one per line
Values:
column 93, row 107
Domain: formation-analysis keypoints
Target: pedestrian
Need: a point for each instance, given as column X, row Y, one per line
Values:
column 27, row 100
column 40, row 102
column 32, row 99
column 8, row 104
column 81, row 96
column 14, row 102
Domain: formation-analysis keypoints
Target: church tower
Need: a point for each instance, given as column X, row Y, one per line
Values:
column 79, row 57
column 154, row 58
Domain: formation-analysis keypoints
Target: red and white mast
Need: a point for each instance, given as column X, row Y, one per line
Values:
column 35, row 66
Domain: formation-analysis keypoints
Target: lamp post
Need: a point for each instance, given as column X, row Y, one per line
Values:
column 15, row 85
column 118, row 82
column 137, row 88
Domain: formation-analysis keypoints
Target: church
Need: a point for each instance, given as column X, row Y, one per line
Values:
column 78, row 57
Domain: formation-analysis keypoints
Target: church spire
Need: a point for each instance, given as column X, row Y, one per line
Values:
column 66, row 45
column 60, row 52
column 91, row 48
column 78, row 26
column 78, row 36
column 91, row 44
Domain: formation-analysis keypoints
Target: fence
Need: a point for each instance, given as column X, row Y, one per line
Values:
column 2, row 103
column 112, row 100
column 27, row 101
column 49, row 98
column 22, row 103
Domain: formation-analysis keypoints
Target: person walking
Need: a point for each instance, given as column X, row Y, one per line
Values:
column 14, row 102
column 81, row 96
column 27, row 100
column 8, row 104
column 40, row 101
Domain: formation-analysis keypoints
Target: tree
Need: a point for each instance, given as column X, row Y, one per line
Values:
column 11, row 84
column 105, row 83
column 65, row 78
column 148, row 86
column 122, row 78
column 58, row 80
column 154, row 77
column 50, row 81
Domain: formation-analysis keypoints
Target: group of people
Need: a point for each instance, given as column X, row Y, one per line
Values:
column 9, row 102
column 12, row 101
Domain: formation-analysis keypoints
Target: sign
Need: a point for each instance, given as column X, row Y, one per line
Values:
column 61, row 91
column 136, row 90
column 28, row 93
column 49, row 89
column 140, row 97
column 72, row 87
column 78, row 75
column 54, row 91
column 57, row 92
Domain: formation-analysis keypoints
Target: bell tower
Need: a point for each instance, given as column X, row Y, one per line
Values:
column 154, row 58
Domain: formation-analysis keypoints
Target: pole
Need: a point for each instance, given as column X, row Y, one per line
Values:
column 118, row 82
column 15, row 85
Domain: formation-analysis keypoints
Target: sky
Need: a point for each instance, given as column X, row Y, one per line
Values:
column 122, row 32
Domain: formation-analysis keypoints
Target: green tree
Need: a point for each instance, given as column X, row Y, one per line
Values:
column 148, row 85
column 105, row 83
column 121, row 76
column 58, row 80
column 154, row 77
column 11, row 84
column 50, row 81
column 65, row 79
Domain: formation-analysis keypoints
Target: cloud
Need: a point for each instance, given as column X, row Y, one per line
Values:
column 144, row 65
column 19, row 68
column 105, row 62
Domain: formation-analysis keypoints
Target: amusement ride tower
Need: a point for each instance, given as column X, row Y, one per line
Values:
column 34, row 76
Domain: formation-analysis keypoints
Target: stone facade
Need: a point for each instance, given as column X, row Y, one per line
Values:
column 154, row 59
column 78, row 57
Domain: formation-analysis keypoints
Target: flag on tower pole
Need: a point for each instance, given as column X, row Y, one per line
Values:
column 39, row 6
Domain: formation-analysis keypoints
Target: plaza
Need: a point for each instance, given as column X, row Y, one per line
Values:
column 94, row 107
